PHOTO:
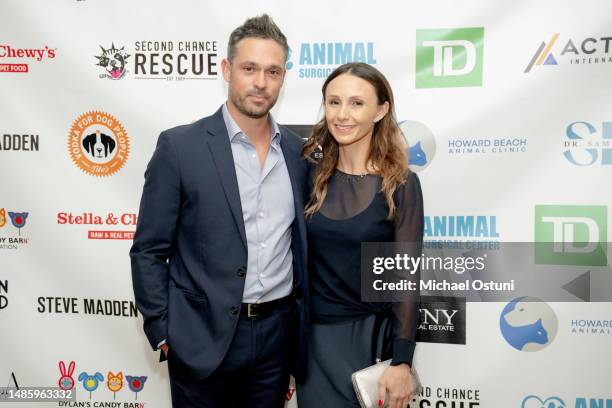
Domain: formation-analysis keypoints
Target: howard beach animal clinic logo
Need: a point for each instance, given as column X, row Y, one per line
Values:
column 98, row 144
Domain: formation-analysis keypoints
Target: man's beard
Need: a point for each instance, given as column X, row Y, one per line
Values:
column 253, row 113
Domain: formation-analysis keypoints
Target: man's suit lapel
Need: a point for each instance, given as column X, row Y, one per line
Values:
column 221, row 150
column 293, row 160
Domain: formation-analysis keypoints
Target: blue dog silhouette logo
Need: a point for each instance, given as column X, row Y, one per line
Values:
column 528, row 324
column 289, row 63
column 421, row 144
column 533, row 401
column 416, row 155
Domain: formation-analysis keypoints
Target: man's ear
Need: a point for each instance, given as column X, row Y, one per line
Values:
column 226, row 69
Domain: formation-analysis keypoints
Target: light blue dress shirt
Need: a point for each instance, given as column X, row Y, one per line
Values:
column 268, row 211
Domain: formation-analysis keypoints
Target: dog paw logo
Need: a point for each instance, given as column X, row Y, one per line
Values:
column 2, row 217
column 114, row 382
column 98, row 144
column 113, row 60
column 66, row 382
column 18, row 220
column 90, row 382
column 136, row 383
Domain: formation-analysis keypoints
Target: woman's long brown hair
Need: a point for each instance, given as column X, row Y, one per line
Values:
column 387, row 155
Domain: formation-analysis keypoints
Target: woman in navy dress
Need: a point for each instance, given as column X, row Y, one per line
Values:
column 362, row 191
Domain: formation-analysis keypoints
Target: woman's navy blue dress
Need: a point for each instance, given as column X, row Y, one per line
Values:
column 342, row 326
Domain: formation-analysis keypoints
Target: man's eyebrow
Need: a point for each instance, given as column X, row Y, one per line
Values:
column 273, row 66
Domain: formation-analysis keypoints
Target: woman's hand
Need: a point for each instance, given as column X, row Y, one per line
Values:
column 397, row 382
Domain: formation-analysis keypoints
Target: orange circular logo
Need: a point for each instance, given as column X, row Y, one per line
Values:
column 98, row 144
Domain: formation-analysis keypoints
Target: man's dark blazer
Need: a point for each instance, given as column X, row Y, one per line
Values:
column 189, row 255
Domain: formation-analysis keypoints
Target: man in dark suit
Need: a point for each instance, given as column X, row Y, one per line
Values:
column 219, row 255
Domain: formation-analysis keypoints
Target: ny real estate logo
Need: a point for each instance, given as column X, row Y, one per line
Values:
column 447, row 58
column 571, row 234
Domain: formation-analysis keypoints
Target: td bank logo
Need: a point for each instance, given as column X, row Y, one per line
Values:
column 447, row 58
column 571, row 234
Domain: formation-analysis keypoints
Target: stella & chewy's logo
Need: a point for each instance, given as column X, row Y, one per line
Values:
column 20, row 54
column 88, row 218
column 98, row 144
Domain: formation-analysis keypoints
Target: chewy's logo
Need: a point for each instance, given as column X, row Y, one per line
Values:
column 6, row 51
column 571, row 234
column 449, row 57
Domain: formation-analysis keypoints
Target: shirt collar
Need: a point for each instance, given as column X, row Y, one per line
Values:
column 234, row 130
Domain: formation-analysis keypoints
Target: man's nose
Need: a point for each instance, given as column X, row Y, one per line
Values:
column 260, row 79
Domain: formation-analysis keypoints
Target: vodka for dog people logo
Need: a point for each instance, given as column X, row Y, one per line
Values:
column 114, row 62
column 449, row 57
column 98, row 144
column 571, row 234
column 528, row 324
column 585, row 145
column 586, row 51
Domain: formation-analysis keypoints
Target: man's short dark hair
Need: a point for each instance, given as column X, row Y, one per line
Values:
column 257, row 27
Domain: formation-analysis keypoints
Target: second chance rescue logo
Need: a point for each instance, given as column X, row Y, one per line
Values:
column 98, row 144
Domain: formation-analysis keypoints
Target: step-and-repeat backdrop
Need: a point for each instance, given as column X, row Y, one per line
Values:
column 506, row 107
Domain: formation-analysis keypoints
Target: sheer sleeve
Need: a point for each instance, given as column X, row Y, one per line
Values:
column 409, row 230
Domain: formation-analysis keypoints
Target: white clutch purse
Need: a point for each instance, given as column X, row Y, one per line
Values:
column 365, row 383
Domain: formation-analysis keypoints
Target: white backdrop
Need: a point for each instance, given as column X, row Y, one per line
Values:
column 50, row 269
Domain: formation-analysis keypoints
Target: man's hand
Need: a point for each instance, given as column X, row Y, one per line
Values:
column 165, row 349
column 397, row 382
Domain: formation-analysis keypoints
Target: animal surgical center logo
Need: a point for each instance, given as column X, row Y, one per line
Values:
column 98, row 144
